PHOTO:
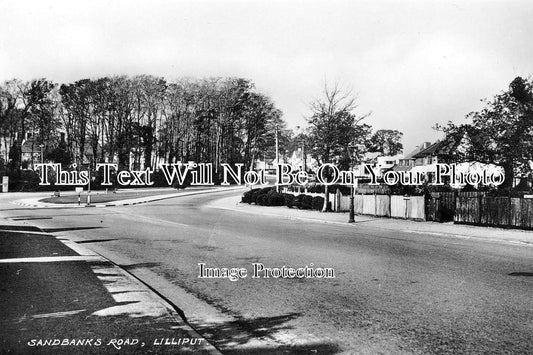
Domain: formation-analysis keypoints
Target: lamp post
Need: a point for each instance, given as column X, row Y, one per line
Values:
column 89, row 187
column 277, row 156
column 351, row 218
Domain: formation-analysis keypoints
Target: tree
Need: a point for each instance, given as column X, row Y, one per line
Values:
column 11, row 117
column 502, row 132
column 76, row 99
column 386, row 141
column 140, row 120
column 334, row 128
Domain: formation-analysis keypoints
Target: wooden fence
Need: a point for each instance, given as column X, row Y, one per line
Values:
column 440, row 206
column 473, row 207
column 408, row 207
column 513, row 212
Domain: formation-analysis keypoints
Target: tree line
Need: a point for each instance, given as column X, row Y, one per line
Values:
column 501, row 133
column 139, row 120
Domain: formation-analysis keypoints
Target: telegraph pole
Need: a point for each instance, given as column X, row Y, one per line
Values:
column 277, row 156
column 352, row 189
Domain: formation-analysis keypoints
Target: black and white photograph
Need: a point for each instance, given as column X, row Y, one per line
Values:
column 266, row 177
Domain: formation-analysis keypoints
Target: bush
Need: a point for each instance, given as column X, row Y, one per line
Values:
column 247, row 197
column 318, row 203
column 307, row 202
column 26, row 180
column 297, row 202
column 258, row 192
column 289, row 200
column 262, row 200
column 251, row 196
column 269, row 197
column 276, row 199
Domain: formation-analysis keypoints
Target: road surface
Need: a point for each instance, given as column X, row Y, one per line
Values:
column 393, row 292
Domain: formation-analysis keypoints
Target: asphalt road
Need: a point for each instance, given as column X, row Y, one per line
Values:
column 394, row 292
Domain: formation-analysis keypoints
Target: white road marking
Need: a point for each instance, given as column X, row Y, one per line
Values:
column 53, row 259
column 57, row 314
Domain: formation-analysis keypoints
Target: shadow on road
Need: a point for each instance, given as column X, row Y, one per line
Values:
column 139, row 265
column 56, row 230
column 322, row 348
column 96, row 240
column 17, row 244
column 238, row 337
column 521, row 273
column 20, row 228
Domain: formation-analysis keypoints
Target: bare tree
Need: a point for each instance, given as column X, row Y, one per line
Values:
column 334, row 127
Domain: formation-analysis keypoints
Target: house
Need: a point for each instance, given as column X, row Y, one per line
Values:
column 380, row 163
column 408, row 161
column 32, row 151
column 384, row 163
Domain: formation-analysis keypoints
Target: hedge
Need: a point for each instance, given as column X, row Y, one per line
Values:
column 269, row 197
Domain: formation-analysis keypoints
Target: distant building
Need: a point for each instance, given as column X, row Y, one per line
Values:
column 380, row 163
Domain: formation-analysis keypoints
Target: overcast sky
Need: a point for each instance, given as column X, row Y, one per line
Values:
column 413, row 63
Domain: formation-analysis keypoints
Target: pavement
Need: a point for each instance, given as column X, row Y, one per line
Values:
column 59, row 297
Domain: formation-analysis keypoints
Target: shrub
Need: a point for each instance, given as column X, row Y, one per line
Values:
column 262, row 200
column 269, row 197
column 318, row 203
column 276, row 199
column 251, row 196
column 258, row 192
column 247, row 197
column 307, row 202
column 297, row 202
column 289, row 200
column 26, row 180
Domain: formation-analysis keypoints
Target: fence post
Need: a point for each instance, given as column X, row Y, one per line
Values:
column 406, row 199
column 509, row 210
column 480, row 209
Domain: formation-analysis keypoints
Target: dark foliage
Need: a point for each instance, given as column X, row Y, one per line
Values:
column 289, row 200
column 275, row 199
column 318, row 203
column 307, row 202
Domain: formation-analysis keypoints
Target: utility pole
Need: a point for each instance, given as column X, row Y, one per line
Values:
column 352, row 189
column 277, row 155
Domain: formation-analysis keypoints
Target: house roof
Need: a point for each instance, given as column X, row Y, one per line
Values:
column 416, row 151
column 428, row 151
column 443, row 147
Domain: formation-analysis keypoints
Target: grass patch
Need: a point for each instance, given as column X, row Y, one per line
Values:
column 103, row 197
